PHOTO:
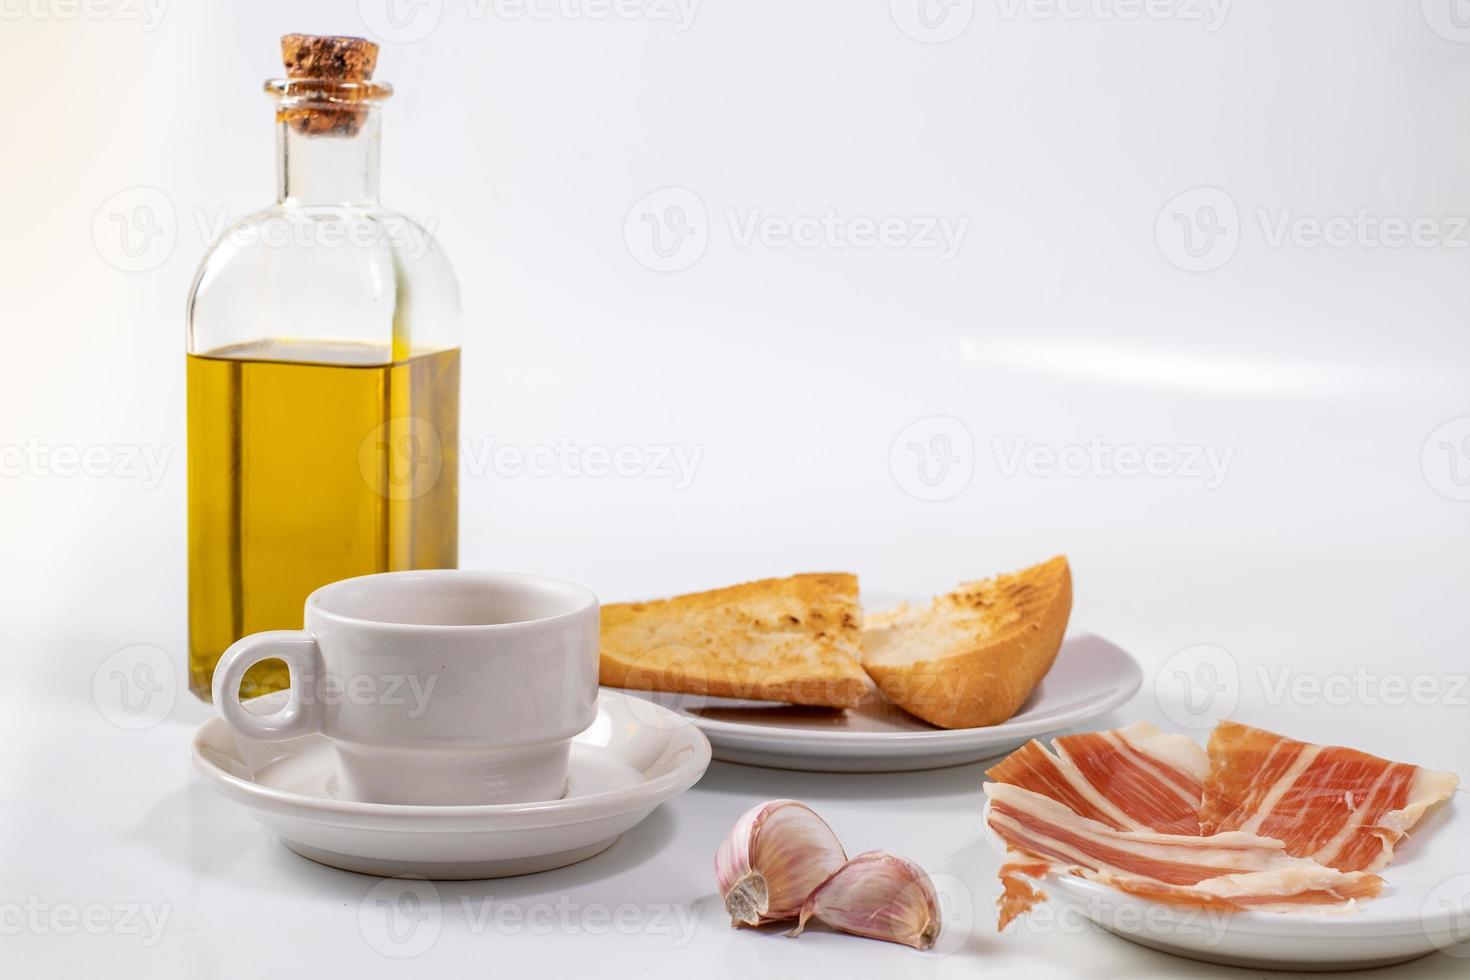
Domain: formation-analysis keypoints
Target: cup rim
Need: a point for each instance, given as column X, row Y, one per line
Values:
column 585, row 599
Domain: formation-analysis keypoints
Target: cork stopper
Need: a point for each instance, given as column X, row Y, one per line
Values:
column 342, row 59
column 328, row 83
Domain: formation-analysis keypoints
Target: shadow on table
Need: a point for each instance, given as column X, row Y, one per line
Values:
column 741, row 780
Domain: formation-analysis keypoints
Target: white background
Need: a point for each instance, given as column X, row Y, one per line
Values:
column 1059, row 139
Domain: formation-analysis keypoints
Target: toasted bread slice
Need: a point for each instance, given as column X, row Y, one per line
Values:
column 791, row 639
column 975, row 655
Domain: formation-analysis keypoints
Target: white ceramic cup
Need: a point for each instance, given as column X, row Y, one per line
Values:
column 436, row 687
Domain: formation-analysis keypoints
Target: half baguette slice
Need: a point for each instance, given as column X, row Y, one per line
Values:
column 795, row 639
column 974, row 656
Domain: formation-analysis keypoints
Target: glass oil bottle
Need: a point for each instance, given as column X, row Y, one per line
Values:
column 323, row 376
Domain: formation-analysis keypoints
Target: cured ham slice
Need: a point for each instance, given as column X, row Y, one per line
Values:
column 1230, row 870
column 1134, row 778
column 1257, row 822
column 1336, row 806
column 1019, row 893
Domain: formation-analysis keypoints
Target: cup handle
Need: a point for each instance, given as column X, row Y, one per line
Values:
column 301, row 715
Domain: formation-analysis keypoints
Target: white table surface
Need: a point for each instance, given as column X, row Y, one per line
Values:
column 99, row 815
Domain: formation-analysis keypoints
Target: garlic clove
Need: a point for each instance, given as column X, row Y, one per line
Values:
column 775, row 855
column 880, row 896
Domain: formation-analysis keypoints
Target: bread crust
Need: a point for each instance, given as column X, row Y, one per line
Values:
column 1006, row 634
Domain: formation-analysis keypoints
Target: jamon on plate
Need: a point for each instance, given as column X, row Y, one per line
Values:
column 1229, row 870
column 1134, row 778
column 1258, row 821
column 1337, row 806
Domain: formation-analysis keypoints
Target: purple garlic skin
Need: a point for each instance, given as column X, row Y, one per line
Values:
column 880, row 896
column 777, row 853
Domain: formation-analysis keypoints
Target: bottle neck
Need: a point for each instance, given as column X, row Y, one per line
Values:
column 328, row 169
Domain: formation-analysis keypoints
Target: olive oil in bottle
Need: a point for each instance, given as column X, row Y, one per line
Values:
column 323, row 377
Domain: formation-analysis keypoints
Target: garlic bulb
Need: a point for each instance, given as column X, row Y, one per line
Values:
column 776, row 854
column 879, row 896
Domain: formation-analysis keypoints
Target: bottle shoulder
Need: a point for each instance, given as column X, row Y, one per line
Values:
column 327, row 235
column 360, row 274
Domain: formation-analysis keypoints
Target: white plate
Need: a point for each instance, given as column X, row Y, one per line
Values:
column 1422, row 908
column 632, row 758
column 1091, row 676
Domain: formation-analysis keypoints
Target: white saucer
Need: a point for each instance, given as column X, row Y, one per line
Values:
column 1420, row 910
column 630, row 760
column 1091, row 676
